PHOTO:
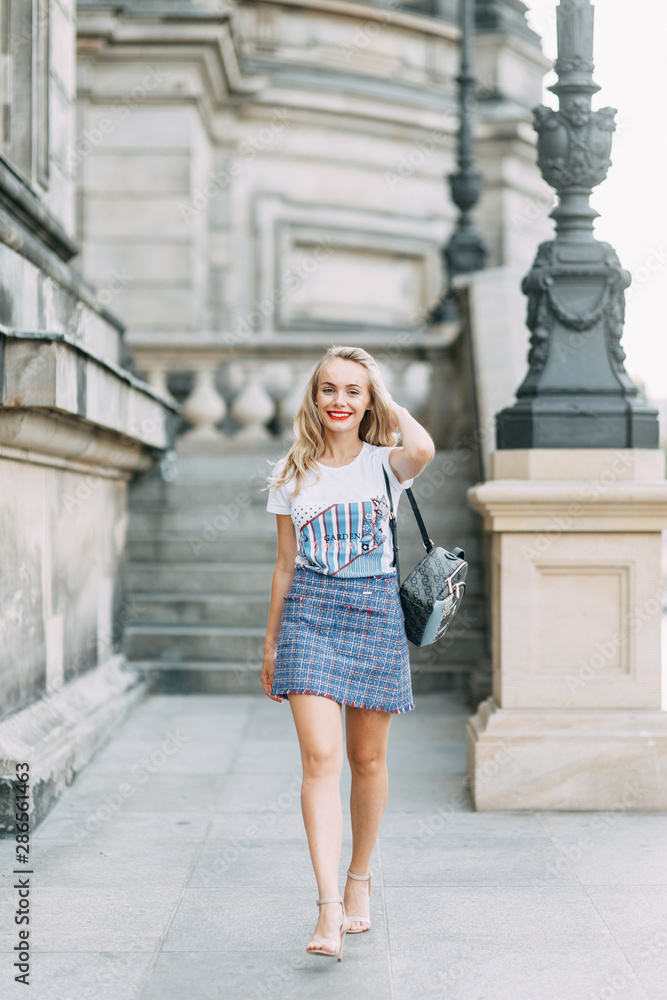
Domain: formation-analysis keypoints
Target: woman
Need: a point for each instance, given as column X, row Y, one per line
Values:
column 335, row 634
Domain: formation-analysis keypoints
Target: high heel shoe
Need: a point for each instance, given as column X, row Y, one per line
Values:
column 344, row 927
column 360, row 920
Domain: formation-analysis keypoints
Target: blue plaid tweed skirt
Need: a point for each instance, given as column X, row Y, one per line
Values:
column 344, row 638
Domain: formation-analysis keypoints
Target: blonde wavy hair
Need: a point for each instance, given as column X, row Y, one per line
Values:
column 308, row 427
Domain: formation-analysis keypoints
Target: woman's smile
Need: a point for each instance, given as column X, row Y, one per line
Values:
column 338, row 414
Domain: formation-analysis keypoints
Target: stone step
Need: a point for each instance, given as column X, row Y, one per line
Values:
column 200, row 609
column 204, row 522
column 209, row 522
column 197, row 578
column 164, row 547
column 170, row 547
column 192, row 643
column 249, row 492
column 215, row 677
column 227, row 578
column 241, row 468
column 243, row 609
column 200, row 677
column 176, row 643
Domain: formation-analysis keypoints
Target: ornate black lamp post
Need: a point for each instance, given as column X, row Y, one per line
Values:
column 466, row 250
column 577, row 393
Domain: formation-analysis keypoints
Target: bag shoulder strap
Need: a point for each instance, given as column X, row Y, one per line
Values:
column 392, row 525
column 428, row 544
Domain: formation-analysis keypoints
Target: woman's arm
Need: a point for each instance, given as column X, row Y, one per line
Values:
column 417, row 448
column 283, row 576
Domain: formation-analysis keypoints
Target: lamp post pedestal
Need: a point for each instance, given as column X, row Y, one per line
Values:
column 576, row 719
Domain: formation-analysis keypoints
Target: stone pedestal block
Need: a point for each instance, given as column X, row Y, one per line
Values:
column 576, row 719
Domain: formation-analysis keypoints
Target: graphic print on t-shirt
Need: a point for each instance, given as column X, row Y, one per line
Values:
column 346, row 539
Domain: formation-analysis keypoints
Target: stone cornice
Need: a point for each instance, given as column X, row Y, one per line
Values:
column 44, row 337
column 554, row 506
column 210, row 43
column 56, row 440
column 214, row 348
column 422, row 23
column 60, row 399
column 16, row 235
column 205, row 55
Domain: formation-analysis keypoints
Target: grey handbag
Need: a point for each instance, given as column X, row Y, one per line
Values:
column 432, row 593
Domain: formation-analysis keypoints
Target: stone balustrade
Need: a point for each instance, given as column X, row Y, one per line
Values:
column 240, row 396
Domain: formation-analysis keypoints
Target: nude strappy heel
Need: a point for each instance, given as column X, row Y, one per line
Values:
column 344, row 927
column 355, row 919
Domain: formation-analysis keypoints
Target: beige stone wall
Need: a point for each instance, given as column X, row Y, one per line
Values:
column 38, row 96
column 60, row 588
column 74, row 426
column 60, row 193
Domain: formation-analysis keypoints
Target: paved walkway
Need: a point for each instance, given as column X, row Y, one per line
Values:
column 176, row 867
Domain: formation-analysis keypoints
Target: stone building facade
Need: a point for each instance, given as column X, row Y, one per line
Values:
column 75, row 425
column 270, row 176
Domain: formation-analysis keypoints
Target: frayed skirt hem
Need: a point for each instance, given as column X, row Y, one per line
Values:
column 283, row 693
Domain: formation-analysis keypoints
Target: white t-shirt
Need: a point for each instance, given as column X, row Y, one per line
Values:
column 342, row 520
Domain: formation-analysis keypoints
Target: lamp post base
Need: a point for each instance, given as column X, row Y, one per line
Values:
column 577, row 421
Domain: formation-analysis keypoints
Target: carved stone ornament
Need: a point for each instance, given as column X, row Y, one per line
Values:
column 545, row 305
column 574, row 143
column 573, row 64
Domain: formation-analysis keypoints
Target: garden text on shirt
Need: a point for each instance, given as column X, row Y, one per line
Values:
column 342, row 520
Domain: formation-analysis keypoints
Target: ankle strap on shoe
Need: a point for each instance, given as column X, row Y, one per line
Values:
column 359, row 878
column 330, row 899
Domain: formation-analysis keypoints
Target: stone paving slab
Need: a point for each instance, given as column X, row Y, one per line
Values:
column 174, row 870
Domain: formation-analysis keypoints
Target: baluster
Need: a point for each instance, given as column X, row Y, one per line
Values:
column 204, row 408
column 253, row 408
column 277, row 380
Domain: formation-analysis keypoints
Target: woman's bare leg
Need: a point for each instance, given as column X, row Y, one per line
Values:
column 320, row 731
column 367, row 733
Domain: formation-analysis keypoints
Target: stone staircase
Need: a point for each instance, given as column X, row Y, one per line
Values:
column 201, row 553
